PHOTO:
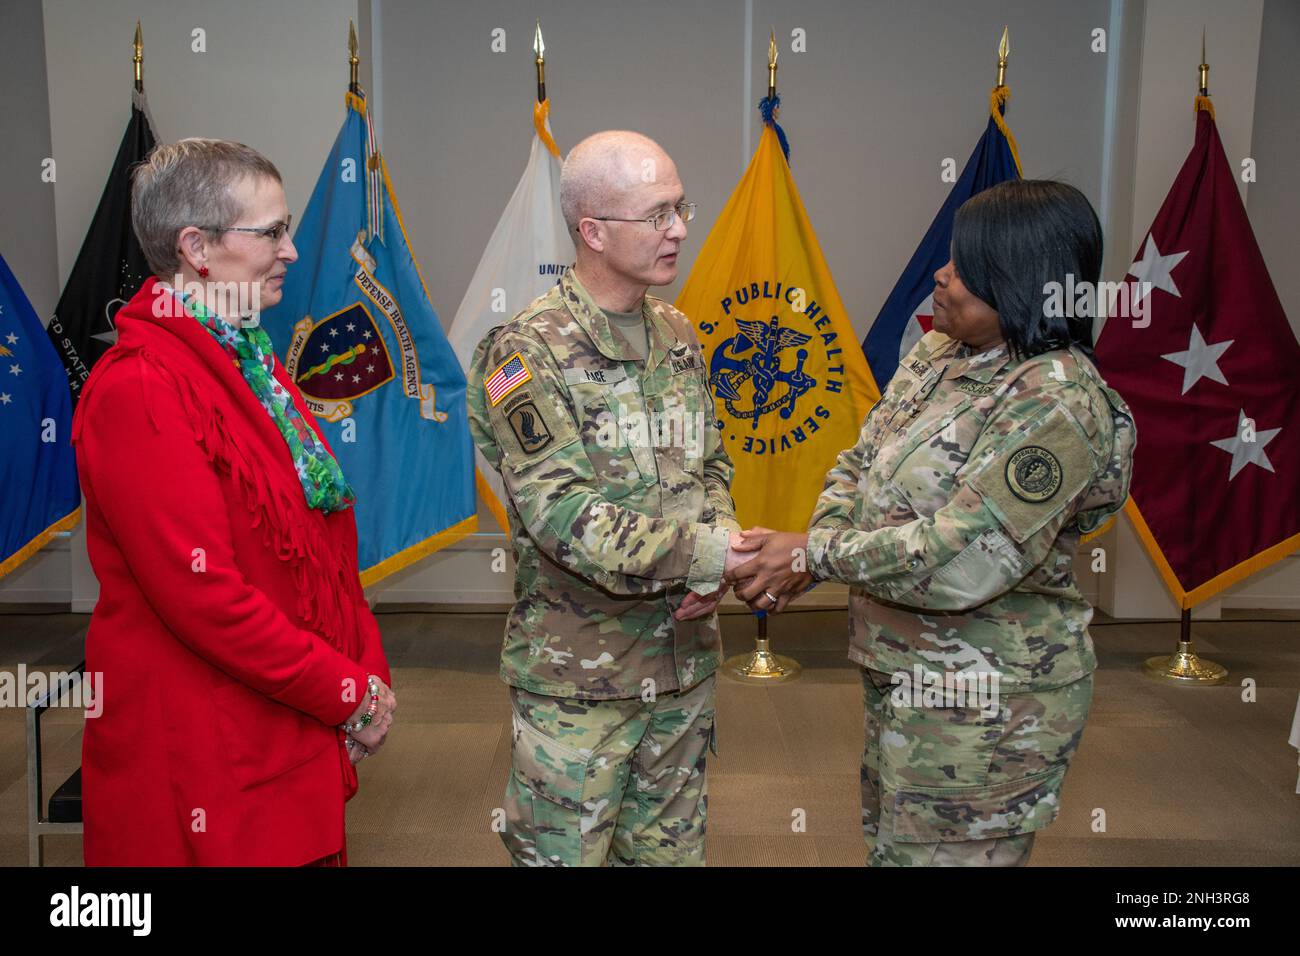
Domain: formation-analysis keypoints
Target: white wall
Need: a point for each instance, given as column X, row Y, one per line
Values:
column 884, row 93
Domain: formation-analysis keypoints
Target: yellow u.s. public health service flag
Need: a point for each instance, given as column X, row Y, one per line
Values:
column 790, row 384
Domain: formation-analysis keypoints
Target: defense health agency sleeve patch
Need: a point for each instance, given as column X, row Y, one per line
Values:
column 509, row 375
column 1033, row 474
column 1031, row 482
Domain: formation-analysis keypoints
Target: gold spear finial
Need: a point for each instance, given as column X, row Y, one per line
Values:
column 354, row 61
column 771, row 64
column 137, row 58
column 1204, row 68
column 539, row 48
column 1004, row 51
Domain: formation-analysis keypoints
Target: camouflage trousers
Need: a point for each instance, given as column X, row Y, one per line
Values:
column 964, row 785
column 609, row 781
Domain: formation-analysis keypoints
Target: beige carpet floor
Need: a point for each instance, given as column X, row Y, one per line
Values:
column 1186, row 776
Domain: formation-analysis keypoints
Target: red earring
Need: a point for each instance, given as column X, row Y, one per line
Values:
column 203, row 272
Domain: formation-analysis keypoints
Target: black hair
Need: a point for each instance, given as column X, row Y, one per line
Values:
column 1011, row 241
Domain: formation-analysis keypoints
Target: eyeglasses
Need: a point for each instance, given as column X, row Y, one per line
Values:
column 662, row 221
column 274, row 233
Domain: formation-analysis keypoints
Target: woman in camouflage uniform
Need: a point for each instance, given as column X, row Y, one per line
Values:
column 955, row 519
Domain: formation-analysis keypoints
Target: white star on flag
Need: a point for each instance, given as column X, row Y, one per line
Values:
column 11, row 339
column 15, row 369
column 1247, row 452
column 4, row 398
column 1153, row 271
column 1200, row 360
column 111, row 335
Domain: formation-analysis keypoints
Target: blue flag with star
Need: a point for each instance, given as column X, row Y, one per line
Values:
column 358, row 333
column 908, row 313
column 39, row 496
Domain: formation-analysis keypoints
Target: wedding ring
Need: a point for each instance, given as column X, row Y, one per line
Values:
column 770, row 597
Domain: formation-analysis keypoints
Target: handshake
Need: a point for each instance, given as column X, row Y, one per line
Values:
column 767, row 568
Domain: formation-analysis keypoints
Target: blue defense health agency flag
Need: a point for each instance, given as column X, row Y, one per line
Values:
column 908, row 313
column 360, row 337
column 39, row 496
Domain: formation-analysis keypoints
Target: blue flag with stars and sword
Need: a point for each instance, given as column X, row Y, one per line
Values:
column 39, row 496
column 358, row 333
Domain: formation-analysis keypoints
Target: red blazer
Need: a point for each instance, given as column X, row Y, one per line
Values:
column 230, row 624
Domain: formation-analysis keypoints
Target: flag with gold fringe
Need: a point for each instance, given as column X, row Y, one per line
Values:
column 790, row 384
column 528, row 252
column 359, row 335
column 1211, row 370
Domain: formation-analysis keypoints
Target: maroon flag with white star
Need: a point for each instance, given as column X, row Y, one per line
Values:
column 1211, row 371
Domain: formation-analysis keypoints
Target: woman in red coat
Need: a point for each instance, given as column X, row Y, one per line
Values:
column 242, row 671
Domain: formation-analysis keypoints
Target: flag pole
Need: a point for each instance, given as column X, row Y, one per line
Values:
column 762, row 666
column 1184, row 666
column 137, row 58
column 354, row 61
column 1004, row 52
column 539, row 49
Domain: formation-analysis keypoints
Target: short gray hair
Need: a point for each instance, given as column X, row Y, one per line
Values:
column 189, row 183
column 599, row 169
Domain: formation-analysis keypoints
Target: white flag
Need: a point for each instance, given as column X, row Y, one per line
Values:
column 529, row 251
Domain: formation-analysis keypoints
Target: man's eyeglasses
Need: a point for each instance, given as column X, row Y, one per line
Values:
column 274, row 233
column 662, row 221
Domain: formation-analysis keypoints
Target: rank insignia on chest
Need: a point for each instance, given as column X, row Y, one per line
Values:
column 1033, row 474
column 509, row 375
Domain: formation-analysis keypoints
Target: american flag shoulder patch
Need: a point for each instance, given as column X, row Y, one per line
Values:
column 509, row 375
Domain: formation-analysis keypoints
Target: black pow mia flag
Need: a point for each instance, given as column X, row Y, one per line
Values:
column 110, row 267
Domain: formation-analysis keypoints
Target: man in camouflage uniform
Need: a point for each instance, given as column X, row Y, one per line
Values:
column 592, row 403
column 955, row 519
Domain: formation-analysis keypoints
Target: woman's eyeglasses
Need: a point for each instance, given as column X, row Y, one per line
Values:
column 274, row 233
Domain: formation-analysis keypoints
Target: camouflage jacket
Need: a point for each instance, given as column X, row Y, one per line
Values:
column 957, row 514
column 618, row 496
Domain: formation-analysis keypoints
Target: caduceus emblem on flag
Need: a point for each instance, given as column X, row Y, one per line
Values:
column 730, row 368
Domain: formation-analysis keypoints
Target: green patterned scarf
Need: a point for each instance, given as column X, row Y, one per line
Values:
column 323, row 484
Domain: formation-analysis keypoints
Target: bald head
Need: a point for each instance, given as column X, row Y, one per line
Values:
column 603, row 170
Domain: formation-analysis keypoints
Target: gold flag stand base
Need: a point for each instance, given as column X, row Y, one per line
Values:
column 762, row 666
column 1185, row 666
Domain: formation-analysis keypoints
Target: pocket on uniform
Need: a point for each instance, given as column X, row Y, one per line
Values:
column 550, row 777
column 950, row 814
column 609, row 430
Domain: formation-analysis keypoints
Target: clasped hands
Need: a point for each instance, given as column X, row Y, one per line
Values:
column 765, row 567
column 362, row 743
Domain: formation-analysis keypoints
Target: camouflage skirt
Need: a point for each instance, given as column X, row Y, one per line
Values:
column 964, row 785
column 609, row 781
